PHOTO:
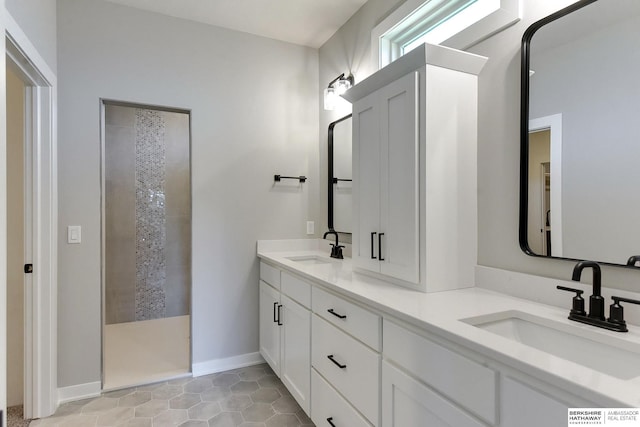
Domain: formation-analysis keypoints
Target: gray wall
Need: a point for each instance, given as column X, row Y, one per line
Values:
column 254, row 113
column 498, row 137
column 37, row 19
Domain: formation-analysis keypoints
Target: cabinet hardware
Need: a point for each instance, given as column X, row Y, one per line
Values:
column 279, row 313
column 380, row 246
column 28, row 268
column 338, row 364
column 373, row 233
column 340, row 316
column 275, row 318
column 330, row 421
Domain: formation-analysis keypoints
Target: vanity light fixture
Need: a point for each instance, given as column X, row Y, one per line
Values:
column 336, row 87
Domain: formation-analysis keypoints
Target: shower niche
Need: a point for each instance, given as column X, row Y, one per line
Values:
column 146, row 244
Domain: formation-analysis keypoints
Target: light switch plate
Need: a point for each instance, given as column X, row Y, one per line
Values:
column 74, row 234
column 310, row 227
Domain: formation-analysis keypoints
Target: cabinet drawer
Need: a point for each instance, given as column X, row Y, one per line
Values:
column 270, row 274
column 355, row 320
column 357, row 377
column 326, row 403
column 461, row 379
column 296, row 289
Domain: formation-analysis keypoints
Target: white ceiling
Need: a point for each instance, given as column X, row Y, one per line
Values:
column 303, row 22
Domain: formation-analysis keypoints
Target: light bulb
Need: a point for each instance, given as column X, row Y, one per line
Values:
column 330, row 98
column 342, row 86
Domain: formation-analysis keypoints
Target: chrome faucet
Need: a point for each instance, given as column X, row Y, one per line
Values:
column 615, row 322
column 336, row 250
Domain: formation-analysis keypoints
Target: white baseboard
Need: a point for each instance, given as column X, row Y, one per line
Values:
column 79, row 392
column 220, row 365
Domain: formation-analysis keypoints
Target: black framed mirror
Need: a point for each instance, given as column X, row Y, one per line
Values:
column 339, row 175
column 580, row 156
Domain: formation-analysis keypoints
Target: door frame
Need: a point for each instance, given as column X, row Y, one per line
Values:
column 41, row 236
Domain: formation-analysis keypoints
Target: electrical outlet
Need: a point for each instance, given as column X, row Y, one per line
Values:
column 310, row 227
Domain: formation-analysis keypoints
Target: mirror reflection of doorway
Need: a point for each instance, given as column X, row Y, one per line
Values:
column 544, row 227
column 540, row 192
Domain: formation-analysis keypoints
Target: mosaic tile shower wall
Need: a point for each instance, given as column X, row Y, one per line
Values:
column 151, row 266
column 147, row 214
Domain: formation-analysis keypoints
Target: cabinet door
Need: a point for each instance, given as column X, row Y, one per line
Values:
column 399, row 191
column 296, row 351
column 522, row 406
column 407, row 402
column 366, row 182
column 269, row 328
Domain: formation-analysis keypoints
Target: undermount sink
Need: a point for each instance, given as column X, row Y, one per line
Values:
column 599, row 351
column 309, row 259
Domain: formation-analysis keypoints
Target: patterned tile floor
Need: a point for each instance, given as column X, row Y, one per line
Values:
column 246, row 397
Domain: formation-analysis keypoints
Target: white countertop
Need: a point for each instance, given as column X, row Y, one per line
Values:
column 440, row 313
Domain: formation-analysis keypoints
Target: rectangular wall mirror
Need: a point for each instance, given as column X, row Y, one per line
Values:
column 580, row 145
column 339, row 174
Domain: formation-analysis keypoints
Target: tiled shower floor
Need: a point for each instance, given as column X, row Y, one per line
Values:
column 246, row 397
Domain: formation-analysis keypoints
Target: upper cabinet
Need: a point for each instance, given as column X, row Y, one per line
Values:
column 414, row 169
column 386, row 173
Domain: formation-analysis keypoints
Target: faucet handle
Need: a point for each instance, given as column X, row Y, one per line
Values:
column 578, row 301
column 336, row 251
column 616, row 311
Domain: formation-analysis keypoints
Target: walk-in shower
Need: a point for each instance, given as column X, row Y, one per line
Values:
column 146, row 244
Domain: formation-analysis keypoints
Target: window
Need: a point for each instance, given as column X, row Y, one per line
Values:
column 455, row 23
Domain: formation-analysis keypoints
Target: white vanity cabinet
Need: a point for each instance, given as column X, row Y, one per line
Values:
column 437, row 383
column 350, row 363
column 269, row 327
column 414, row 169
column 524, row 406
column 345, row 358
column 408, row 402
column 285, row 330
column 269, row 306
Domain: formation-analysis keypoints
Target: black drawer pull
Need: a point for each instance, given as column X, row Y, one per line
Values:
column 279, row 307
column 380, row 246
column 330, row 357
column 330, row 421
column 373, row 233
column 339, row 316
column 275, row 318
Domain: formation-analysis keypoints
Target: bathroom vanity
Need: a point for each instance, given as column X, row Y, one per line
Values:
column 356, row 349
column 370, row 353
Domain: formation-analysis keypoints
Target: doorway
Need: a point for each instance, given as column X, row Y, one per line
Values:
column 146, row 245
column 16, row 252
column 31, row 207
